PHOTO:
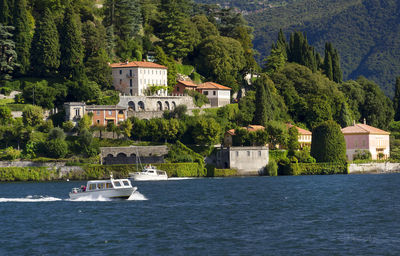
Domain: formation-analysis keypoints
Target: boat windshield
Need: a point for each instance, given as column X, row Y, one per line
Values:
column 117, row 183
column 126, row 183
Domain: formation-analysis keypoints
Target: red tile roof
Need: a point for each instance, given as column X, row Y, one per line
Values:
column 187, row 83
column 212, row 86
column 363, row 129
column 142, row 64
column 300, row 130
column 249, row 128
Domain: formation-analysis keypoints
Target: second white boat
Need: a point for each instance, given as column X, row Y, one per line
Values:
column 148, row 173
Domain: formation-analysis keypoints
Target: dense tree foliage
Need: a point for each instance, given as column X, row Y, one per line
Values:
column 328, row 144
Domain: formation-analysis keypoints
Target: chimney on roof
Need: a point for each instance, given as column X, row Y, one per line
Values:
column 365, row 121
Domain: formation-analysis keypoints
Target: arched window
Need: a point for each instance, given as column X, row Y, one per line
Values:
column 141, row 105
column 159, row 106
column 173, row 105
column 131, row 105
column 167, row 105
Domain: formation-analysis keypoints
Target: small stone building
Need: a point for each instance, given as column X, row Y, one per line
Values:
column 247, row 160
column 181, row 86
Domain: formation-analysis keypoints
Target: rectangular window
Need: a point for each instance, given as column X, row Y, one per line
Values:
column 214, row 92
column 98, row 121
column 130, row 72
column 110, row 112
column 205, row 93
column 77, row 112
column 120, row 71
column 131, row 92
column 117, row 184
column 177, row 89
column 126, row 183
column 98, row 112
column 248, row 153
column 130, row 82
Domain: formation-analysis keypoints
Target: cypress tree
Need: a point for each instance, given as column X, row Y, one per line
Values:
column 71, row 65
column 344, row 115
column 260, row 115
column 22, row 36
column 328, row 68
column 396, row 100
column 337, row 72
column 45, row 49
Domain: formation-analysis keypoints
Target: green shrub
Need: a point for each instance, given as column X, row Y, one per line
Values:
column 10, row 154
column 224, row 172
column 27, row 174
column 362, row 155
column 277, row 154
column 272, row 168
column 322, row 168
column 199, row 99
column 6, row 91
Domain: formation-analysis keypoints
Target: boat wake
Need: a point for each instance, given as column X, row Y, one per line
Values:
column 89, row 199
column 31, row 199
column 137, row 196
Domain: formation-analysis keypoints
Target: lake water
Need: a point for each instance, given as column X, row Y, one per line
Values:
column 304, row 215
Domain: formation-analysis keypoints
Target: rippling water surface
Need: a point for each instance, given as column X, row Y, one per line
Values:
column 306, row 215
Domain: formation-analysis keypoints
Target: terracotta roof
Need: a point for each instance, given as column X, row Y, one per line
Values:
column 142, row 64
column 300, row 130
column 187, row 83
column 363, row 129
column 249, row 128
column 212, row 86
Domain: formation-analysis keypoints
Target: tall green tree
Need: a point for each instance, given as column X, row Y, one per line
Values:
column 260, row 115
column 5, row 13
column 22, row 37
column 293, row 141
column 328, row 144
column 332, row 64
column 45, row 50
column 301, row 52
column 8, row 55
column 124, row 16
column 396, row 100
column 177, row 32
column 71, row 65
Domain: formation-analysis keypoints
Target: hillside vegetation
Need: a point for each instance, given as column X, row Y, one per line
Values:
column 366, row 33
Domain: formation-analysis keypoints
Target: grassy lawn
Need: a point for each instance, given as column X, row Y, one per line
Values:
column 6, row 101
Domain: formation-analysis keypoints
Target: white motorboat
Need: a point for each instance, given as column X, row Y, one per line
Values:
column 148, row 173
column 109, row 189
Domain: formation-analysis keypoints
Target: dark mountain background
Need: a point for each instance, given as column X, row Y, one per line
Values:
column 366, row 33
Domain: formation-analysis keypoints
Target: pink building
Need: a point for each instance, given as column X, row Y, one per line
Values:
column 361, row 137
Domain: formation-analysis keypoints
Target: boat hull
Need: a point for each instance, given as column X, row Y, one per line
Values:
column 147, row 177
column 120, row 193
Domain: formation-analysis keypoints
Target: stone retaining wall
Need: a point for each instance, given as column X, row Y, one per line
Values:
column 31, row 164
column 386, row 167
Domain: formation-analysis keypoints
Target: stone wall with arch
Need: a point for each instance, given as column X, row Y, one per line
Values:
column 133, row 154
column 154, row 103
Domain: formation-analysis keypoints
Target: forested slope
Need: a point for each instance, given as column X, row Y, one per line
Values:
column 366, row 33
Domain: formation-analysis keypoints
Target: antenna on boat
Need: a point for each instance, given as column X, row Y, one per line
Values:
column 111, row 175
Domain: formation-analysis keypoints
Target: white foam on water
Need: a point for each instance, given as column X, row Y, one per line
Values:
column 137, row 196
column 182, row 178
column 30, row 199
column 89, row 198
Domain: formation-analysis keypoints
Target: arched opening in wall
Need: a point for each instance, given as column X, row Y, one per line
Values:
column 167, row 105
column 159, row 105
column 141, row 106
column 121, row 155
column 133, row 155
column 110, row 155
column 120, row 112
column 226, row 165
column 131, row 106
column 173, row 105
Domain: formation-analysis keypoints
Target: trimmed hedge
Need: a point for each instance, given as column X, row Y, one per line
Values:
column 293, row 168
column 224, row 172
column 122, row 171
column 27, row 174
column 277, row 154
